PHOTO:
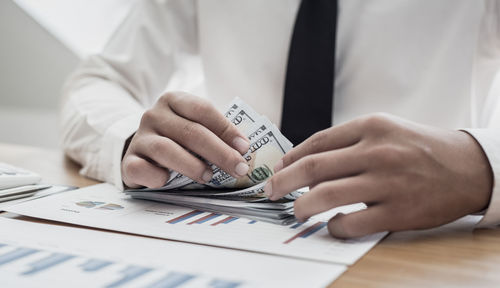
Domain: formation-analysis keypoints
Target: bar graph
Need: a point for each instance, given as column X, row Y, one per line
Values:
column 99, row 205
column 307, row 232
column 48, row 262
column 16, row 254
column 93, row 265
column 204, row 219
column 297, row 225
column 172, row 280
column 89, row 204
column 226, row 220
column 217, row 283
column 111, row 206
column 185, row 217
column 208, row 217
column 130, row 275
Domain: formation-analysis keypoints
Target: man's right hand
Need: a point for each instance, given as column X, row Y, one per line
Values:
column 179, row 123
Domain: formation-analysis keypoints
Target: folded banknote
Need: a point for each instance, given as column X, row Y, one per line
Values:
column 242, row 196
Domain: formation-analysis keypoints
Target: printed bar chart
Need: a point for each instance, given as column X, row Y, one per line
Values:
column 307, row 232
column 125, row 276
column 226, row 220
column 16, row 254
column 130, row 273
column 205, row 218
column 184, row 217
column 48, row 262
column 172, row 280
column 93, row 265
column 223, row 284
column 297, row 225
column 54, row 256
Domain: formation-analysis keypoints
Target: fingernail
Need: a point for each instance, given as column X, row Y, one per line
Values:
column 241, row 169
column 207, row 176
column 268, row 190
column 241, row 145
column 278, row 166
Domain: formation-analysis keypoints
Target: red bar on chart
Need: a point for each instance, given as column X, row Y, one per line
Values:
column 205, row 218
column 184, row 217
column 225, row 220
column 307, row 232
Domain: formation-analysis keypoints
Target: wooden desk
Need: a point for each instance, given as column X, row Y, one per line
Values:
column 450, row 256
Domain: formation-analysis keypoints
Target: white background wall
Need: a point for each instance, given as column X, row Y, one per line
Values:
column 41, row 43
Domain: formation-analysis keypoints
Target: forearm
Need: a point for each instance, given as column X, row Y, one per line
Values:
column 97, row 117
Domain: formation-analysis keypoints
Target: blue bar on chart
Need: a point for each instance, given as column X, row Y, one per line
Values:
column 47, row 262
column 217, row 283
column 252, row 222
column 1, row 245
column 226, row 220
column 172, row 280
column 93, row 265
column 16, row 254
column 205, row 218
column 131, row 273
column 297, row 225
column 317, row 227
column 307, row 232
column 185, row 217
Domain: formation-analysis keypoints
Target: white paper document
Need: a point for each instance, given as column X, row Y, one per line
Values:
column 34, row 195
column 103, row 206
column 44, row 255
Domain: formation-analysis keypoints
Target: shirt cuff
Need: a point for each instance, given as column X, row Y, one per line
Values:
column 114, row 141
column 490, row 142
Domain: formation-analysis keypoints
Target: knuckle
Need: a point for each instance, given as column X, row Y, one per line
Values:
column 200, row 107
column 326, row 193
column 132, row 168
column 227, row 130
column 317, row 140
column 190, row 131
column 376, row 122
column 148, row 118
column 386, row 154
column 309, row 166
column 167, row 98
column 156, row 147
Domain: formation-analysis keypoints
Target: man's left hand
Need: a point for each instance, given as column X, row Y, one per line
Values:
column 410, row 176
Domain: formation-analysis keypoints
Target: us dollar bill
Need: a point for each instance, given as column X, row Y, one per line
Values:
column 267, row 147
column 262, row 156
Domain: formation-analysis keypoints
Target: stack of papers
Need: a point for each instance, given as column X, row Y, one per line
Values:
column 16, row 183
column 225, row 194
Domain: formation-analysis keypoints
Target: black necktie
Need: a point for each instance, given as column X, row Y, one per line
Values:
column 307, row 104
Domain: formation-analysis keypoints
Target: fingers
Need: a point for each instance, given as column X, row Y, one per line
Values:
column 203, row 142
column 201, row 111
column 368, row 221
column 138, row 172
column 328, row 195
column 169, row 154
column 314, row 169
column 332, row 138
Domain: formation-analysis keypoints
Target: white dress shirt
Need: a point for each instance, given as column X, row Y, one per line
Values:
column 433, row 62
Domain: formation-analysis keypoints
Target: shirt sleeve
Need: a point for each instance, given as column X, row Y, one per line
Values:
column 106, row 96
column 486, row 102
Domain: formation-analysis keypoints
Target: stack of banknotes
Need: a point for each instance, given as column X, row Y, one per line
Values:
column 227, row 195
